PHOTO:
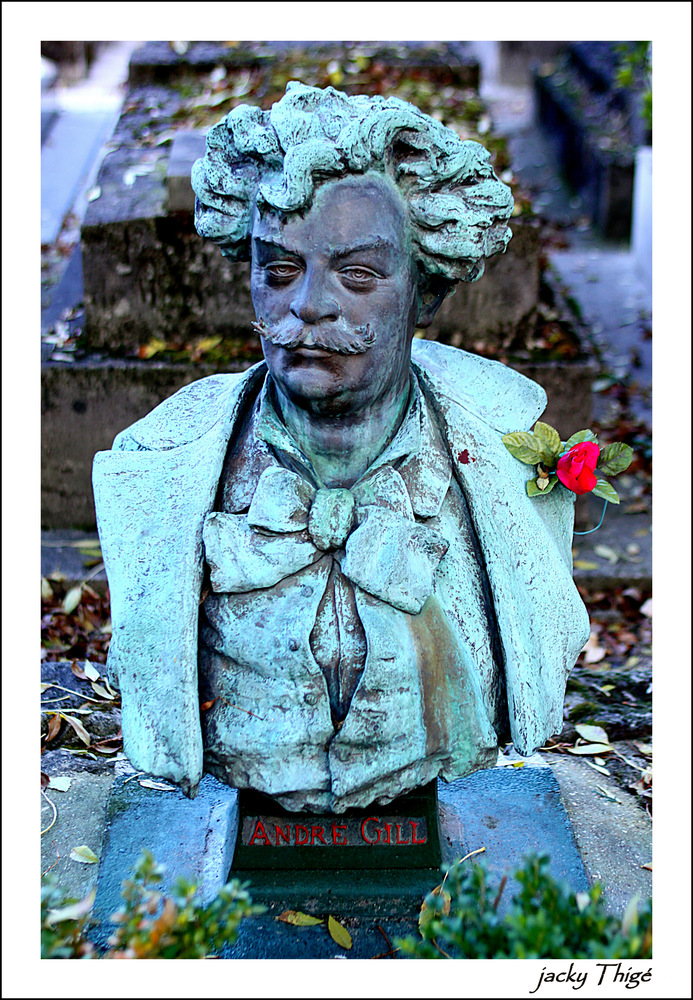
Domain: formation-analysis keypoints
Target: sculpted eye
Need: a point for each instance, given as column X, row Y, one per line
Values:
column 282, row 270
column 359, row 276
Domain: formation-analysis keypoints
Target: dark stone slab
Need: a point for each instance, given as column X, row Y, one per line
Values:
column 513, row 812
column 83, row 406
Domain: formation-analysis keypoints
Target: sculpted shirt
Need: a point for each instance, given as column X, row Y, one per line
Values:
column 347, row 640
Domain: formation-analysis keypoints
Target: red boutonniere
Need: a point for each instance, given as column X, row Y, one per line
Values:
column 576, row 463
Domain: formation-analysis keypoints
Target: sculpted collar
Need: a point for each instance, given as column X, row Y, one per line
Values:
column 370, row 528
column 417, row 452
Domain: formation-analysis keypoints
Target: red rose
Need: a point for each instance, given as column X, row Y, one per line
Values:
column 576, row 468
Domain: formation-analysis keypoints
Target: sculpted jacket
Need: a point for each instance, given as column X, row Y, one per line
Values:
column 156, row 488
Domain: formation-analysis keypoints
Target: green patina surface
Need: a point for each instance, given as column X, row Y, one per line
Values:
column 385, row 599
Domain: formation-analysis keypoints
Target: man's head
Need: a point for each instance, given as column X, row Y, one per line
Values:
column 359, row 215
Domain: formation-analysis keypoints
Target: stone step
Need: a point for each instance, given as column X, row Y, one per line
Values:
column 595, row 126
column 147, row 274
column 85, row 403
column 171, row 62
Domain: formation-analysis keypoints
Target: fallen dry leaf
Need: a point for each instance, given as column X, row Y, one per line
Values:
column 54, row 724
column 298, row 919
column 158, row 785
column 591, row 748
column 427, row 913
column 339, row 933
column 78, row 728
column 60, row 783
column 594, row 653
column 74, row 911
column 593, row 734
column 84, row 854
column 72, row 599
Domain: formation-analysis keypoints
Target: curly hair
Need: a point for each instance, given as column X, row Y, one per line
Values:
column 457, row 207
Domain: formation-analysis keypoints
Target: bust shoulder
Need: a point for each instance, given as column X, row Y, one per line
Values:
column 502, row 397
column 188, row 413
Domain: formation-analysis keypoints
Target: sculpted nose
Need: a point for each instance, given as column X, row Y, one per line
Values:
column 312, row 301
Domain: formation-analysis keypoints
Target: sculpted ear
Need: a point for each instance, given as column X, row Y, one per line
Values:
column 432, row 291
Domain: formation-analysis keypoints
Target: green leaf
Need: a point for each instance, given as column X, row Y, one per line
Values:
column 534, row 491
column 605, row 491
column 550, row 438
column 578, row 437
column 615, row 458
column 298, row 919
column 339, row 933
column 84, row 854
column 526, row 447
column 428, row 912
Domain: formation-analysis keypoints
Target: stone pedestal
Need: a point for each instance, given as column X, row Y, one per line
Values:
column 511, row 811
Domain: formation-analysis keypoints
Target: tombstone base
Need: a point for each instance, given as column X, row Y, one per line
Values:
column 509, row 811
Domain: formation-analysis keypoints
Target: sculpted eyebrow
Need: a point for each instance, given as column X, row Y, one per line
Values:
column 268, row 248
column 346, row 251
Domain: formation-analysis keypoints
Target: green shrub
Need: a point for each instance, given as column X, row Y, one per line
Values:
column 545, row 919
column 150, row 924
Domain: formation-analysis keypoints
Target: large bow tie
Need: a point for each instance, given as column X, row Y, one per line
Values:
column 290, row 525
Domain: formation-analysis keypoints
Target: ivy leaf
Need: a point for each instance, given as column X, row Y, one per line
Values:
column 605, row 491
column 84, row 854
column 550, row 438
column 534, row 490
column 298, row 919
column 615, row 458
column 339, row 933
column 578, row 437
column 526, row 447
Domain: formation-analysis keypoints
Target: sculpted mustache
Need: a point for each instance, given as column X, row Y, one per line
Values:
column 338, row 337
